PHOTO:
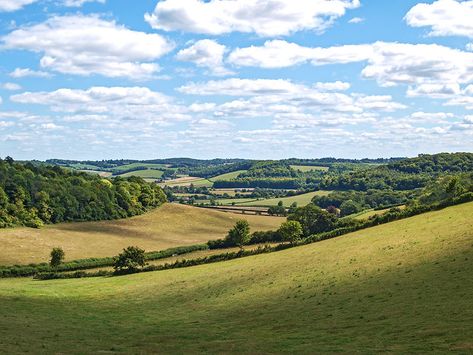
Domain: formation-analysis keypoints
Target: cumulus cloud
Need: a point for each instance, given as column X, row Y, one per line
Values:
column 355, row 20
column 206, row 53
column 282, row 54
column 85, row 45
column 25, row 72
column 444, row 17
column 265, row 18
column 427, row 66
column 113, row 103
column 10, row 86
column 14, row 5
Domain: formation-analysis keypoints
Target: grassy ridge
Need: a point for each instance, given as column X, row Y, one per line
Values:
column 169, row 226
column 402, row 287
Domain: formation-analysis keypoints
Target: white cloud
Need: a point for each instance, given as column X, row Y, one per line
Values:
column 265, row 18
column 14, row 5
column 24, row 72
column 10, row 86
column 206, row 53
column 85, row 45
column 333, row 86
column 79, row 3
column 356, row 20
column 240, row 87
column 444, row 17
column 282, row 54
column 111, row 103
column 389, row 64
column 469, row 47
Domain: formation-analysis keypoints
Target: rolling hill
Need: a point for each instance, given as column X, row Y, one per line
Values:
column 168, row 226
column 403, row 287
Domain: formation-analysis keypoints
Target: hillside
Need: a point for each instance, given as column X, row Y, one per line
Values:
column 403, row 287
column 168, row 226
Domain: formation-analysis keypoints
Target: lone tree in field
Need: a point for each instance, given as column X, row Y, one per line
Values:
column 291, row 231
column 239, row 235
column 57, row 256
column 131, row 259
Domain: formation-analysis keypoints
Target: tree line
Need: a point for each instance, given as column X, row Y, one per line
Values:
column 33, row 195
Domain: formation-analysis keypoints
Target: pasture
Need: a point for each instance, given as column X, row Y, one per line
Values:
column 403, row 287
column 168, row 226
column 306, row 168
column 227, row 176
column 301, row 200
column 145, row 174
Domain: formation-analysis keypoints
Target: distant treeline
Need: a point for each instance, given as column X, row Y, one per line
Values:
column 407, row 174
column 31, row 195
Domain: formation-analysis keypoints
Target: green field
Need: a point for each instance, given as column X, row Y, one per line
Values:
column 137, row 165
column 403, row 287
column 227, row 176
column 187, row 181
column 367, row 214
column 167, row 226
column 145, row 174
column 306, row 168
column 302, row 200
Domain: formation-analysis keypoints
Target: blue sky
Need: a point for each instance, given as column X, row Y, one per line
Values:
column 99, row 79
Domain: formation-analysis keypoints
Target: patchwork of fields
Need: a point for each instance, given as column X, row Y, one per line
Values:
column 168, row 226
column 403, row 287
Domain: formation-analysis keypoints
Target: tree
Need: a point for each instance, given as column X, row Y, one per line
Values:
column 131, row 259
column 313, row 219
column 239, row 235
column 277, row 211
column 291, row 231
column 57, row 256
column 349, row 207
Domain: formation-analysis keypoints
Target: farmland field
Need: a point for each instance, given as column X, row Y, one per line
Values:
column 403, row 287
column 227, row 176
column 306, row 168
column 168, row 226
column 188, row 180
column 145, row 174
column 302, row 200
column 369, row 213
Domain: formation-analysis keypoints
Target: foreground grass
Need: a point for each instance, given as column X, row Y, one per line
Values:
column 168, row 226
column 403, row 287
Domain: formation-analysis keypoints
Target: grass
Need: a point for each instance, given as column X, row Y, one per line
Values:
column 367, row 214
column 187, row 181
column 306, row 168
column 145, row 174
column 403, row 287
column 120, row 168
column 227, row 176
column 168, row 226
column 302, row 200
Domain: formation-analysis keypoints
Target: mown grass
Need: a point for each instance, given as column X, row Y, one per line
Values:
column 306, row 168
column 168, row 226
column 403, row 287
column 301, row 200
column 227, row 176
column 145, row 174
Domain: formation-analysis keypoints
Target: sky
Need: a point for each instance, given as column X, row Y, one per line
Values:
column 259, row 79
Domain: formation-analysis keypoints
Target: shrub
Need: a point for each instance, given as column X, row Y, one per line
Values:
column 131, row 259
column 57, row 256
column 291, row 231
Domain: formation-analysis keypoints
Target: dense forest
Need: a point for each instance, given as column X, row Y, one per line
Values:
column 407, row 174
column 32, row 195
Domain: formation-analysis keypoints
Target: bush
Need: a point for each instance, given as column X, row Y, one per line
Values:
column 131, row 259
column 57, row 256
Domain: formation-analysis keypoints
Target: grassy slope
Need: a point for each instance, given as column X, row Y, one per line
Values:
column 145, row 174
column 306, row 168
column 301, row 200
column 170, row 225
column 402, row 287
column 227, row 176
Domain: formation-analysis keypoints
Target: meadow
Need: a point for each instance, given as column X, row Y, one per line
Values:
column 301, row 200
column 403, row 287
column 168, row 226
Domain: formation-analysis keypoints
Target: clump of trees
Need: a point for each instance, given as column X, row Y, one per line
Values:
column 33, row 195
column 239, row 235
column 130, row 260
